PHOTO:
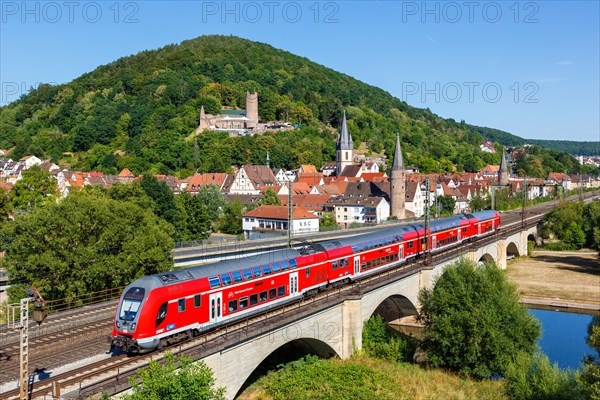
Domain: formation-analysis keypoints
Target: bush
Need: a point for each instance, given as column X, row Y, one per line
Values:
column 382, row 342
column 535, row 378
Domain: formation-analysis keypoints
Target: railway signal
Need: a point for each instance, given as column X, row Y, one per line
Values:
column 39, row 314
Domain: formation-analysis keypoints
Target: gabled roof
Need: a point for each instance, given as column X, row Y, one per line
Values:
column 351, row 171
column 308, row 168
column 126, row 173
column 260, row 175
column 374, row 177
column 199, row 179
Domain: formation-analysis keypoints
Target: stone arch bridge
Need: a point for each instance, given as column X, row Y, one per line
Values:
column 331, row 324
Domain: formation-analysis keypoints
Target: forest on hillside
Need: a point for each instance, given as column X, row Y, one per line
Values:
column 140, row 112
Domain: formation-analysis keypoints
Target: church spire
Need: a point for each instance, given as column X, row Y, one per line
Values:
column 268, row 161
column 345, row 139
column 398, row 163
column 503, row 173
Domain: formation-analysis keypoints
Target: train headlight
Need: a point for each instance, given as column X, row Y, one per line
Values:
column 133, row 326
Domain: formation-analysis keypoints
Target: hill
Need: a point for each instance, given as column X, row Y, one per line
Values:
column 567, row 146
column 138, row 112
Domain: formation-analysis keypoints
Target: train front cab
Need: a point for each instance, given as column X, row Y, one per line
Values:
column 127, row 317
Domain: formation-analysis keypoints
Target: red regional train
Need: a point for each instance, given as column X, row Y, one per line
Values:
column 162, row 309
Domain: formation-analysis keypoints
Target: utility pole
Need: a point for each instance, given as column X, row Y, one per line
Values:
column 524, row 201
column 427, row 223
column 290, row 215
column 39, row 314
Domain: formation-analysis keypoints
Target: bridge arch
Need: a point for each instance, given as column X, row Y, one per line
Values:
column 290, row 351
column 395, row 307
column 512, row 250
column 486, row 257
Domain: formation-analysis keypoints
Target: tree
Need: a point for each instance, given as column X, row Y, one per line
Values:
column 270, row 198
column 478, row 203
column 213, row 199
column 164, row 201
column 327, row 220
column 474, row 323
column 195, row 224
column 591, row 370
column 446, row 204
column 86, row 243
column 232, row 220
column 6, row 206
column 36, row 189
column 177, row 379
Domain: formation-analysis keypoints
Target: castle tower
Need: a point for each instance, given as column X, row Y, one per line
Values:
column 503, row 171
column 398, row 184
column 252, row 109
column 203, row 123
column 344, row 148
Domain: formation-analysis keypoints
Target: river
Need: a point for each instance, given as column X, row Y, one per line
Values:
column 564, row 336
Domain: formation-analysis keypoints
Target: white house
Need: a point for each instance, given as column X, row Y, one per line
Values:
column 370, row 210
column 30, row 161
column 269, row 220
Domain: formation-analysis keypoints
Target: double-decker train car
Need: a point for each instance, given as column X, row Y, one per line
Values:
column 162, row 309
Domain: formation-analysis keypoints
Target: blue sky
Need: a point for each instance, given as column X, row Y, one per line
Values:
column 531, row 68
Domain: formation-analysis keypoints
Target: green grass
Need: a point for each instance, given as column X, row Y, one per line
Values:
column 363, row 377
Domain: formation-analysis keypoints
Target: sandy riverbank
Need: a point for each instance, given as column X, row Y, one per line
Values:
column 561, row 279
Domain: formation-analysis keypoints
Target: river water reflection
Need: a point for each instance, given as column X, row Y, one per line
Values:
column 563, row 336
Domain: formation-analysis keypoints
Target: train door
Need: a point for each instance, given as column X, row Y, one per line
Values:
column 215, row 307
column 459, row 234
column 401, row 252
column 478, row 229
column 433, row 242
column 357, row 265
column 293, row 283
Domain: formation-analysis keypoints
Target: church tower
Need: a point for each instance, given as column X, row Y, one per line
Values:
column 398, row 184
column 344, row 148
column 203, row 124
column 503, row 171
column 252, row 109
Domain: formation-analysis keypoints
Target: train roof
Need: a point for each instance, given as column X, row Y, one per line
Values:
column 485, row 214
column 367, row 237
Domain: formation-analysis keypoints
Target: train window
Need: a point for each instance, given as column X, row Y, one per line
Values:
column 237, row 276
column 243, row 303
column 464, row 229
column 214, row 282
column 275, row 267
column 131, row 303
column 354, row 248
column 253, row 299
column 272, row 294
column 162, row 313
column 267, row 269
column 344, row 262
column 410, row 245
column 197, row 301
column 281, row 291
column 293, row 264
column 370, row 245
column 181, row 305
column 226, row 279
column 334, row 265
column 247, row 274
column 284, row 265
column 263, row 296
column 232, row 306
column 307, row 272
column 257, row 272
